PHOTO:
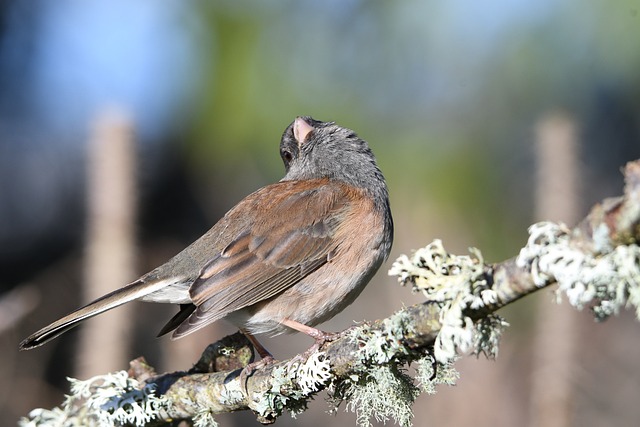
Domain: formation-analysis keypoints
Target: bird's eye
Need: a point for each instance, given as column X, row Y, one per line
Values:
column 286, row 155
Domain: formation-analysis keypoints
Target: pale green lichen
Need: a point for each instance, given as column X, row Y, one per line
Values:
column 105, row 400
column 314, row 373
column 601, row 239
column 385, row 344
column 605, row 281
column 382, row 393
column 52, row 417
column 292, row 384
column 445, row 373
column 456, row 283
column 379, row 389
column 488, row 332
column 204, row 419
column 231, row 393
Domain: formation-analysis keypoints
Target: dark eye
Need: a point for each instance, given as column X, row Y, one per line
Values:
column 286, row 155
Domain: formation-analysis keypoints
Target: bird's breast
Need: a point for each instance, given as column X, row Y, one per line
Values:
column 362, row 246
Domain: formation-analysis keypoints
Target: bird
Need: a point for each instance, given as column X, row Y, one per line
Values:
column 286, row 258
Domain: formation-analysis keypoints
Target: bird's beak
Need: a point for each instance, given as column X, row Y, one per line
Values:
column 300, row 130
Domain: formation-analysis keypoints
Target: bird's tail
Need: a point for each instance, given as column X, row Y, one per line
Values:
column 133, row 291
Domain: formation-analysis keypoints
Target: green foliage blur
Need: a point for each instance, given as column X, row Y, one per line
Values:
column 447, row 96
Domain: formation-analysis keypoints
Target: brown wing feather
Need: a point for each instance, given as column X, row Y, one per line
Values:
column 271, row 255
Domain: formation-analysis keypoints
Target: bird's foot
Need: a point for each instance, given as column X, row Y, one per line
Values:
column 321, row 338
column 251, row 368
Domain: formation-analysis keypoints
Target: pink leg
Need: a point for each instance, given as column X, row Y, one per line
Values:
column 263, row 352
column 266, row 359
column 300, row 327
column 320, row 336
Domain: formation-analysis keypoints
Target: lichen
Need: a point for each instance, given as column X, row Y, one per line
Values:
column 204, row 419
column 454, row 282
column 313, row 373
column 385, row 344
column 488, row 332
column 427, row 379
column 379, row 388
column 231, row 393
column 105, row 400
column 381, row 392
column 292, row 384
column 605, row 281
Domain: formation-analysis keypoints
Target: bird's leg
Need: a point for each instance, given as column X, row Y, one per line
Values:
column 265, row 359
column 321, row 337
column 263, row 352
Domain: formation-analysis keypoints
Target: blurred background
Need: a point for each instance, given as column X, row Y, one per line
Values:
column 128, row 128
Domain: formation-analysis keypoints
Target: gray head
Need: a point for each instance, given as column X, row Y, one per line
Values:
column 312, row 149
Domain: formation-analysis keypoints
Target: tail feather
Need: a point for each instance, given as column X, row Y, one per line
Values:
column 133, row 291
column 181, row 316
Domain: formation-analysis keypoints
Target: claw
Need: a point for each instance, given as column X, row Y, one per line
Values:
column 320, row 338
column 248, row 370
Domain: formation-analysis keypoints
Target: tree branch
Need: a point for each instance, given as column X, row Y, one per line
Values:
column 596, row 264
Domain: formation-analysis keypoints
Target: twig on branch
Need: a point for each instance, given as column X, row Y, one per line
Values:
column 596, row 264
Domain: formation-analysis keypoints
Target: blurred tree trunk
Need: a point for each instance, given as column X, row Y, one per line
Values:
column 557, row 329
column 110, row 247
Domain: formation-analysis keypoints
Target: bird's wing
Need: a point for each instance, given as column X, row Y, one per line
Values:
column 287, row 234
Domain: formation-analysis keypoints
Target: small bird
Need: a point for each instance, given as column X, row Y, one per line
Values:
column 287, row 257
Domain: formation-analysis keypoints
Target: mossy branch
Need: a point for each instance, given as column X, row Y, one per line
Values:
column 596, row 264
